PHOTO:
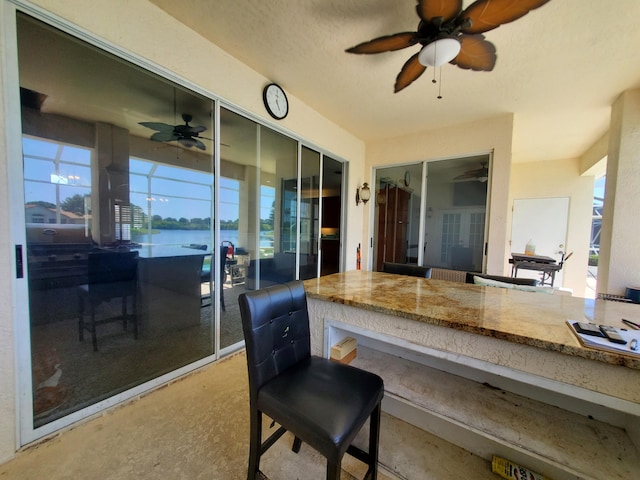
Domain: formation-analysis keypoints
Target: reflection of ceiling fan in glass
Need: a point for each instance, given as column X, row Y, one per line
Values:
column 185, row 135
column 477, row 175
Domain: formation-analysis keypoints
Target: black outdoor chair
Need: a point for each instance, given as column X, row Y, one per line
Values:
column 322, row 402
column 205, row 277
column 111, row 275
column 407, row 269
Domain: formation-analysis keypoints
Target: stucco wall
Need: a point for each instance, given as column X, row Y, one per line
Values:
column 490, row 135
column 619, row 253
column 7, row 384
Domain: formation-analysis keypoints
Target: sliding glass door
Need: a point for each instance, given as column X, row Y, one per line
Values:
column 148, row 209
column 439, row 221
column 397, row 198
column 258, row 204
column 118, row 201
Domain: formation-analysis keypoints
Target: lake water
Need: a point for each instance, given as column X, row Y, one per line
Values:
column 172, row 242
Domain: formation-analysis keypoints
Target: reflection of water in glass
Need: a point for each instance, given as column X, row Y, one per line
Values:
column 165, row 243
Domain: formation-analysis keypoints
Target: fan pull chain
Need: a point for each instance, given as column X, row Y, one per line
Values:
column 440, row 86
column 435, row 53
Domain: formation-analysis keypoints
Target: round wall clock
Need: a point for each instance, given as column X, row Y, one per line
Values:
column 275, row 101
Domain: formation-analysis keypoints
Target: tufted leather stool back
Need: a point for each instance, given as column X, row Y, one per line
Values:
column 323, row 403
column 276, row 329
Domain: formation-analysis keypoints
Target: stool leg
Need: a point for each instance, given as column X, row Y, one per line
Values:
column 334, row 469
column 374, row 440
column 81, row 319
column 94, row 338
column 297, row 443
column 254, row 444
column 134, row 309
column 124, row 313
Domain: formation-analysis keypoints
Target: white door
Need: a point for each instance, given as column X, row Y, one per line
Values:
column 543, row 221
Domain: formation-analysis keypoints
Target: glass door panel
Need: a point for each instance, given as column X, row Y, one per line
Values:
column 455, row 216
column 398, row 202
column 118, row 177
column 309, row 211
column 239, row 217
column 258, row 174
column 278, row 165
column 332, row 176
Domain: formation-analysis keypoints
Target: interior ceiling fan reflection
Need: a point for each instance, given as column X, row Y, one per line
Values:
column 185, row 135
column 477, row 175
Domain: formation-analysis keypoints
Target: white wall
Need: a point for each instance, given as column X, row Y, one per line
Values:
column 561, row 178
column 619, row 252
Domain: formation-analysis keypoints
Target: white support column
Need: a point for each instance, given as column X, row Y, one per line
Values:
column 619, row 262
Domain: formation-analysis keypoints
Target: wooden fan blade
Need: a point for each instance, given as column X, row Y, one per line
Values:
column 411, row 70
column 388, row 43
column 447, row 9
column 476, row 53
column 486, row 15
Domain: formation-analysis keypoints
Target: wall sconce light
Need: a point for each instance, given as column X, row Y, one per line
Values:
column 363, row 194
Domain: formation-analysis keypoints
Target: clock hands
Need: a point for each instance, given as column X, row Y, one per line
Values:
column 275, row 101
column 278, row 100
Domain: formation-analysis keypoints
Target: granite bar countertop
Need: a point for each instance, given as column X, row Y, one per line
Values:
column 529, row 318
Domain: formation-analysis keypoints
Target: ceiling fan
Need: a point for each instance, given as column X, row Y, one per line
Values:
column 184, row 134
column 449, row 34
column 478, row 175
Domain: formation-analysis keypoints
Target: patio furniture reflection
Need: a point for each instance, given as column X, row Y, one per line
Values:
column 111, row 275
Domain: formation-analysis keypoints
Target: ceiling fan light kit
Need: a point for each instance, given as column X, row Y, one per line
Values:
column 439, row 52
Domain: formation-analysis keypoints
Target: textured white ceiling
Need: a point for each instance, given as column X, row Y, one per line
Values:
column 559, row 68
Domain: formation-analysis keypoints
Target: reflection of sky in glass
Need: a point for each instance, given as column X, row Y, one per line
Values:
column 183, row 174
column 175, row 192
column 140, row 166
column 267, row 197
column 34, row 192
column 46, row 162
column 37, row 169
column 38, row 148
column 171, row 188
column 598, row 191
column 77, row 155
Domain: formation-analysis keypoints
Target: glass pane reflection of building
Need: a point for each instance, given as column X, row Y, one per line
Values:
column 118, row 222
column 127, row 280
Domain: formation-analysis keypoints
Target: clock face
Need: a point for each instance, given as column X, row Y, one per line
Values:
column 275, row 101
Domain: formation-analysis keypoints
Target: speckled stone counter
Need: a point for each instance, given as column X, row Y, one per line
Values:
column 519, row 330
